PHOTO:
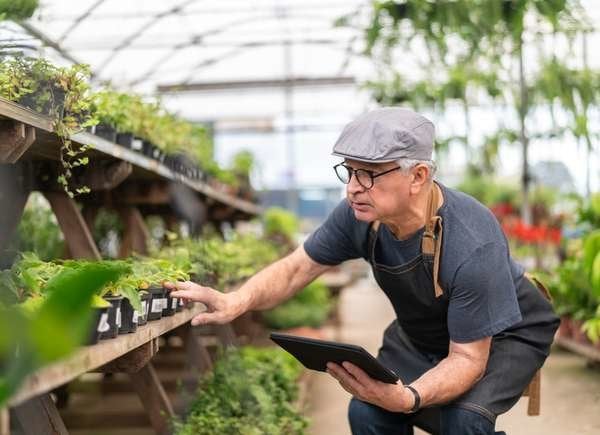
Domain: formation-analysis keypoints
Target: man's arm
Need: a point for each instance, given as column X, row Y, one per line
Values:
column 266, row 289
column 453, row 376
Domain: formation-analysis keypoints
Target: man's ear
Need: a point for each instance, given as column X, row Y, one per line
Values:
column 420, row 176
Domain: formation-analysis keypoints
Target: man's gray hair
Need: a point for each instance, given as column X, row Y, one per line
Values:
column 408, row 164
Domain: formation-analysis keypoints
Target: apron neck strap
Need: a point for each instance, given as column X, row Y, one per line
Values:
column 431, row 243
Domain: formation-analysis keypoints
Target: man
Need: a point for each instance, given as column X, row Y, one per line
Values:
column 471, row 330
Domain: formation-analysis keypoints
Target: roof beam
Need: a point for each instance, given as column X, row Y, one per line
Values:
column 46, row 40
column 257, row 84
column 140, row 31
column 79, row 20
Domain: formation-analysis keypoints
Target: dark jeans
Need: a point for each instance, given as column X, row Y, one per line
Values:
column 367, row 419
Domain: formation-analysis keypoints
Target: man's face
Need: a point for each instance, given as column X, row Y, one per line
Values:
column 387, row 198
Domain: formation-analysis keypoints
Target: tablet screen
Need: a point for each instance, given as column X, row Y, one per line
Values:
column 315, row 354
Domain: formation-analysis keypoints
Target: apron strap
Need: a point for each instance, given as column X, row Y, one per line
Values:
column 431, row 243
column 371, row 241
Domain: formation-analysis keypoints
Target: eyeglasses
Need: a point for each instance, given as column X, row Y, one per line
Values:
column 363, row 176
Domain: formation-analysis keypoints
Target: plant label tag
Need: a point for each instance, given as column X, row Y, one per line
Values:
column 164, row 303
column 180, row 302
column 156, row 305
column 174, row 302
column 103, row 325
column 135, row 316
column 118, row 317
column 144, row 308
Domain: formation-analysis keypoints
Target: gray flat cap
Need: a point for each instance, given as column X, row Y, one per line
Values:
column 386, row 134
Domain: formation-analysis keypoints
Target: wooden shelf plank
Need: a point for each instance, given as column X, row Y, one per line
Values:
column 581, row 349
column 91, row 357
column 11, row 110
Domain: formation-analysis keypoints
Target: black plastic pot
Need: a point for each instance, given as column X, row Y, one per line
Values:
column 99, row 324
column 180, row 305
column 147, row 148
column 129, row 318
column 105, row 131
column 171, row 307
column 48, row 100
column 114, row 317
column 125, row 139
column 143, row 316
column 157, row 303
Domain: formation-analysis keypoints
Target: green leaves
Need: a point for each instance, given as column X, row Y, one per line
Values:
column 309, row 307
column 249, row 391
column 62, row 322
column 17, row 9
column 29, row 340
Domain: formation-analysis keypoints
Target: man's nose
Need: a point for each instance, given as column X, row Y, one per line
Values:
column 354, row 186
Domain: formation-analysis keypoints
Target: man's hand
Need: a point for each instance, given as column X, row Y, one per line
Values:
column 221, row 307
column 392, row 397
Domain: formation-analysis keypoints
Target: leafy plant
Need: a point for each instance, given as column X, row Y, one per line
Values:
column 249, row 391
column 60, row 325
column 309, row 307
column 61, row 92
column 17, row 9
column 38, row 231
column 225, row 262
column 280, row 223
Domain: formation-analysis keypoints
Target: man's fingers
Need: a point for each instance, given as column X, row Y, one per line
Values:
column 195, row 292
column 345, row 378
column 359, row 374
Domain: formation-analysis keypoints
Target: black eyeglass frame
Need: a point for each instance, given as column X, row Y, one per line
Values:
column 353, row 171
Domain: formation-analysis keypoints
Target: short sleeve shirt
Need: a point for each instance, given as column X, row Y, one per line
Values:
column 476, row 270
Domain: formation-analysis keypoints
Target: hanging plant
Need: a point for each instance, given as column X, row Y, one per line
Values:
column 17, row 9
column 62, row 93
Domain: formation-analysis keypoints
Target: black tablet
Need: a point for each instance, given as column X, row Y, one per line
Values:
column 315, row 354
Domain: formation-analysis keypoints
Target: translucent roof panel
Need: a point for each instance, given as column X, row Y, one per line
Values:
column 143, row 44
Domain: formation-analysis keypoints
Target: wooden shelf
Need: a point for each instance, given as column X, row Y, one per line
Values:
column 585, row 350
column 89, row 358
column 11, row 110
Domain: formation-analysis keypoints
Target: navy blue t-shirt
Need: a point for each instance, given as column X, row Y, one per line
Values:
column 476, row 270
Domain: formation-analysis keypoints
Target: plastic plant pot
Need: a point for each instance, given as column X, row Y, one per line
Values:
column 99, row 324
column 48, row 100
column 157, row 303
column 180, row 305
column 125, row 139
column 105, row 131
column 171, row 306
column 114, row 317
column 143, row 316
column 129, row 318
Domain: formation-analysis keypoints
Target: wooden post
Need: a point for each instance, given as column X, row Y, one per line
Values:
column 76, row 233
column 13, row 197
column 15, row 139
column 136, row 234
column 4, row 422
column 39, row 416
column 153, row 397
column 226, row 335
column 534, row 393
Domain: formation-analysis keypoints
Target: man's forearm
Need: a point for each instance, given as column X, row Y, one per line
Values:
column 279, row 281
column 454, row 375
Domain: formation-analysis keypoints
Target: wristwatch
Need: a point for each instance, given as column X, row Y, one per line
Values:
column 417, row 404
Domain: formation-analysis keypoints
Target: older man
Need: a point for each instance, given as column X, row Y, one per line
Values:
column 471, row 330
